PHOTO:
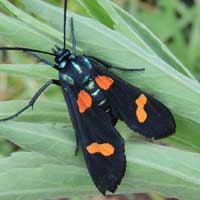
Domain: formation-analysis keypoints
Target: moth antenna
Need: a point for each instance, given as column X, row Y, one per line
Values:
column 73, row 36
column 65, row 21
column 25, row 50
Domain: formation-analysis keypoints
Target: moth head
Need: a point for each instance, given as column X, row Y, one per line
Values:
column 62, row 56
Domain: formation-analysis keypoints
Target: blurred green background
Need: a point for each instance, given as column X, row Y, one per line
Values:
column 175, row 22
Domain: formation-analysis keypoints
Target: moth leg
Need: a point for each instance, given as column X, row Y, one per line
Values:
column 33, row 99
column 109, row 66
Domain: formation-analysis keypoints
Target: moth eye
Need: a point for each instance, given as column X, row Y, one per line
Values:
column 62, row 64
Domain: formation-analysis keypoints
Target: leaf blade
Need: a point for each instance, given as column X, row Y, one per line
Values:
column 47, row 176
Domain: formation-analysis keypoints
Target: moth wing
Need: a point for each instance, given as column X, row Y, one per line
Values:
column 140, row 111
column 102, row 145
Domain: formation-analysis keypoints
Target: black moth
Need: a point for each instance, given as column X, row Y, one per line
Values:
column 96, row 100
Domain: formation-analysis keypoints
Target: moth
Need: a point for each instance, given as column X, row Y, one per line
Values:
column 96, row 99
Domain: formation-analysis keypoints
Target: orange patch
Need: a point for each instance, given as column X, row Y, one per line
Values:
column 84, row 101
column 105, row 149
column 104, row 82
column 141, row 114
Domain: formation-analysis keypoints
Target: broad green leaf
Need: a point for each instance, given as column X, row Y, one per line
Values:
column 38, row 71
column 53, row 140
column 30, row 20
column 118, row 23
column 95, row 10
column 47, row 30
column 25, row 160
column 43, row 179
column 44, row 111
column 136, row 31
column 164, row 169
column 22, row 32
column 187, row 135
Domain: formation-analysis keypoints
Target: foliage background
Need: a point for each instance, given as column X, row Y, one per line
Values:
column 175, row 22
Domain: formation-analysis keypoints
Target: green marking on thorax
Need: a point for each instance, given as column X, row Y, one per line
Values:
column 95, row 93
column 69, row 79
column 90, row 85
column 102, row 102
column 86, row 78
column 77, row 67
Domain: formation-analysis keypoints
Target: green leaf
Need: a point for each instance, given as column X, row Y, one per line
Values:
column 187, row 135
column 135, row 30
column 40, row 26
column 44, row 111
column 95, row 10
column 30, row 20
column 38, row 71
column 60, row 174
column 48, row 139
column 42, row 179
column 25, row 160
column 22, row 33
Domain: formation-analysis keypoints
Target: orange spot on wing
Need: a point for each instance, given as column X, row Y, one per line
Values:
column 104, row 82
column 84, row 101
column 105, row 149
column 141, row 114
